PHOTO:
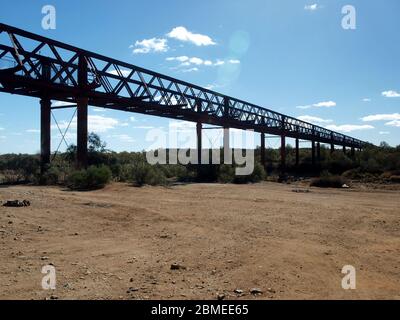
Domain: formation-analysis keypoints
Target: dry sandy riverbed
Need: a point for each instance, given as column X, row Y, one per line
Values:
column 290, row 245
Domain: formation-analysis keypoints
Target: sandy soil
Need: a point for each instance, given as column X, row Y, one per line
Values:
column 120, row 242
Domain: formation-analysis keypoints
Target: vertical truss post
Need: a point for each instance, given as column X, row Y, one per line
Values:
column 82, row 102
column 313, row 147
column 319, row 152
column 227, row 148
column 199, row 127
column 263, row 161
column 313, row 152
column 297, row 152
column 353, row 152
column 45, row 133
column 344, row 149
column 332, row 148
column 283, row 145
column 45, row 123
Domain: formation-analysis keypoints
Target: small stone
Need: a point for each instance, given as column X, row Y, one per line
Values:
column 44, row 258
column 176, row 266
column 238, row 291
column 220, row 296
column 256, row 291
column 132, row 289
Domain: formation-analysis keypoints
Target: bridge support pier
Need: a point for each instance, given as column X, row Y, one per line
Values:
column 313, row 152
column 227, row 148
column 297, row 152
column 82, row 102
column 82, row 133
column 353, row 152
column 45, row 133
column 199, row 127
column 263, row 161
column 283, row 153
column 319, row 152
column 332, row 148
column 344, row 149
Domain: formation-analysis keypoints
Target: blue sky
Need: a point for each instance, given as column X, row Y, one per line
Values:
column 292, row 56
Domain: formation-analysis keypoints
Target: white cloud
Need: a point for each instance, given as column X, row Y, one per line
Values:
column 234, row 61
column 384, row 132
column 391, row 94
column 150, row 45
column 189, row 61
column 144, row 127
column 324, row 104
column 191, row 70
column 62, row 104
column 1, row 128
column 312, row 119
column 124, row 72
column 311, row 7
column 96, row 123
column 366, row 100
column 349, row 127
column 133, row 119
column 182, row 34
column 393, row 123
column 33, row 131
column 382, row 117
column 180, row 59
column 122, row 137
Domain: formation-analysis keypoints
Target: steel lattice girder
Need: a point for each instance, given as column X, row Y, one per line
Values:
column 122, row 86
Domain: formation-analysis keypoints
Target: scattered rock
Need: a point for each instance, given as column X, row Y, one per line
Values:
column 256, row 291
column 17, row 203
column 345, row 186
column 44, row 258
column 132, row 289
column 220, row 296
column 270, row 290
column 301, row 190
column 176, row 266
column 238, row 291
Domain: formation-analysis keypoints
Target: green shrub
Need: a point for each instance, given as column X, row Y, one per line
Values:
column 257, row 175
column 328, row 182
column 155, row 176
column 144, row 173
column 50, row 177
column 226, row 174
column 92, row 178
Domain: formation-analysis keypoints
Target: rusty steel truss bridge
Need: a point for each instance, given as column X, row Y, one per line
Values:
column 51, row 70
